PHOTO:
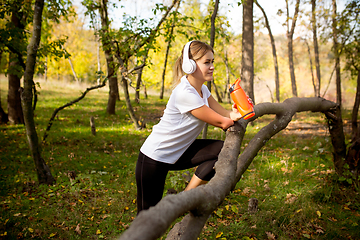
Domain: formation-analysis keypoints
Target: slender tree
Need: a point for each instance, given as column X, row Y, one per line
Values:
column 273, row 48
column 169, row 38
column 289, row 35
column 336, row 50
column 110, row 61
column 212, row 43
column 139, row 77
column 43, row 171
column 18, row 42
column 316, row 48
column 311, row 68
column 247, row 59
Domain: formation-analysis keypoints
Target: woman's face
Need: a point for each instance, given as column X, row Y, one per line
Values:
column 205, row 67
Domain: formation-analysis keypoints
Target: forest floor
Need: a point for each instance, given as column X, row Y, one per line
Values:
column 293, row 177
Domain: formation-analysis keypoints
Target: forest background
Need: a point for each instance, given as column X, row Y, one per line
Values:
column 78, row 59
column 82, row 47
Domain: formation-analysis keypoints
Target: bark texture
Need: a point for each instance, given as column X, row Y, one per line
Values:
column 110, row 63
column 316, row 49
column 289, row 35
column 336, row 51
column 15, row 113
column 247, row 59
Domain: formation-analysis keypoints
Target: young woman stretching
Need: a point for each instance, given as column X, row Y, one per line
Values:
column 172, row 145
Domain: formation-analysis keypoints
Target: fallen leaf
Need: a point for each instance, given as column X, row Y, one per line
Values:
column 98, row 232
column 77, row 229
column 318, row 213
column 270, row 235
column 219, row 234
column 306, row 235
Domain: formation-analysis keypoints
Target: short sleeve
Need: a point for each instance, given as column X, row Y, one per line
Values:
column 188, row 100
column 205, row 91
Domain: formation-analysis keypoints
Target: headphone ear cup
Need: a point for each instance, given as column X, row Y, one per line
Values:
column 189, row 66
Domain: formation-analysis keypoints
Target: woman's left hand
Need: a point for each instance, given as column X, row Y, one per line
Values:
column 235, row 115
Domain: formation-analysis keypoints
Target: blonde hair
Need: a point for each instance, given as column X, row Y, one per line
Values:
column 196, row 51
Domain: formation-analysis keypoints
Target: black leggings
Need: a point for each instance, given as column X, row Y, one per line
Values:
column 151, row 174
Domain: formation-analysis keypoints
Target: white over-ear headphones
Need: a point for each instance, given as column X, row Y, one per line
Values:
column 188, row 65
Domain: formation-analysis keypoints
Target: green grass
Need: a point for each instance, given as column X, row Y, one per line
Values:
column 292, row 177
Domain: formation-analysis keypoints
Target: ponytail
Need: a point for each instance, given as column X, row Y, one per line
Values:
column 197, row 50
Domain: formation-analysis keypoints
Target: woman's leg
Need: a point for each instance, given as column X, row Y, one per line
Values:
column 202, row 153
column 195, row 182
column 150, row 181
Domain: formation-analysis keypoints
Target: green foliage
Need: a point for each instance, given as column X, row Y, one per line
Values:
column 350, row 33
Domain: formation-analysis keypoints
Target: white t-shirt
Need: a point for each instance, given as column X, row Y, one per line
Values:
column 178, row 128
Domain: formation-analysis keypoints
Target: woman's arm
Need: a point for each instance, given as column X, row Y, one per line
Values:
column 233, row 115
column 210, row 116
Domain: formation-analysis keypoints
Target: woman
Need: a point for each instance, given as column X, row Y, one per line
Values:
column 172, row 145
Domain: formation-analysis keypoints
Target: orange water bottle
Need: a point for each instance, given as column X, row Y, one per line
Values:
column 243, row 103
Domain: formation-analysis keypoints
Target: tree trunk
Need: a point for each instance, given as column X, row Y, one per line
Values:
column 71, row 65
column 3, row 116
column 289, row 35
column 247, row 60
column 355, row 111
column 128, row 104
column 138, row 79
column 226, row 90
column 316, row 49
column 15, row 113
column 212, row 43
column 110, row 64
column 169, row 38
column 337, row 55
column 43, row 171
column 336, row 130
column 311, row 68
column 273, row 46
column 164, row 69
column 353, row 156
column 203, row 200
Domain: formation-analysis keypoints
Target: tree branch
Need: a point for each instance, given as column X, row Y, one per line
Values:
column 204, row 199
column 69, row 104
